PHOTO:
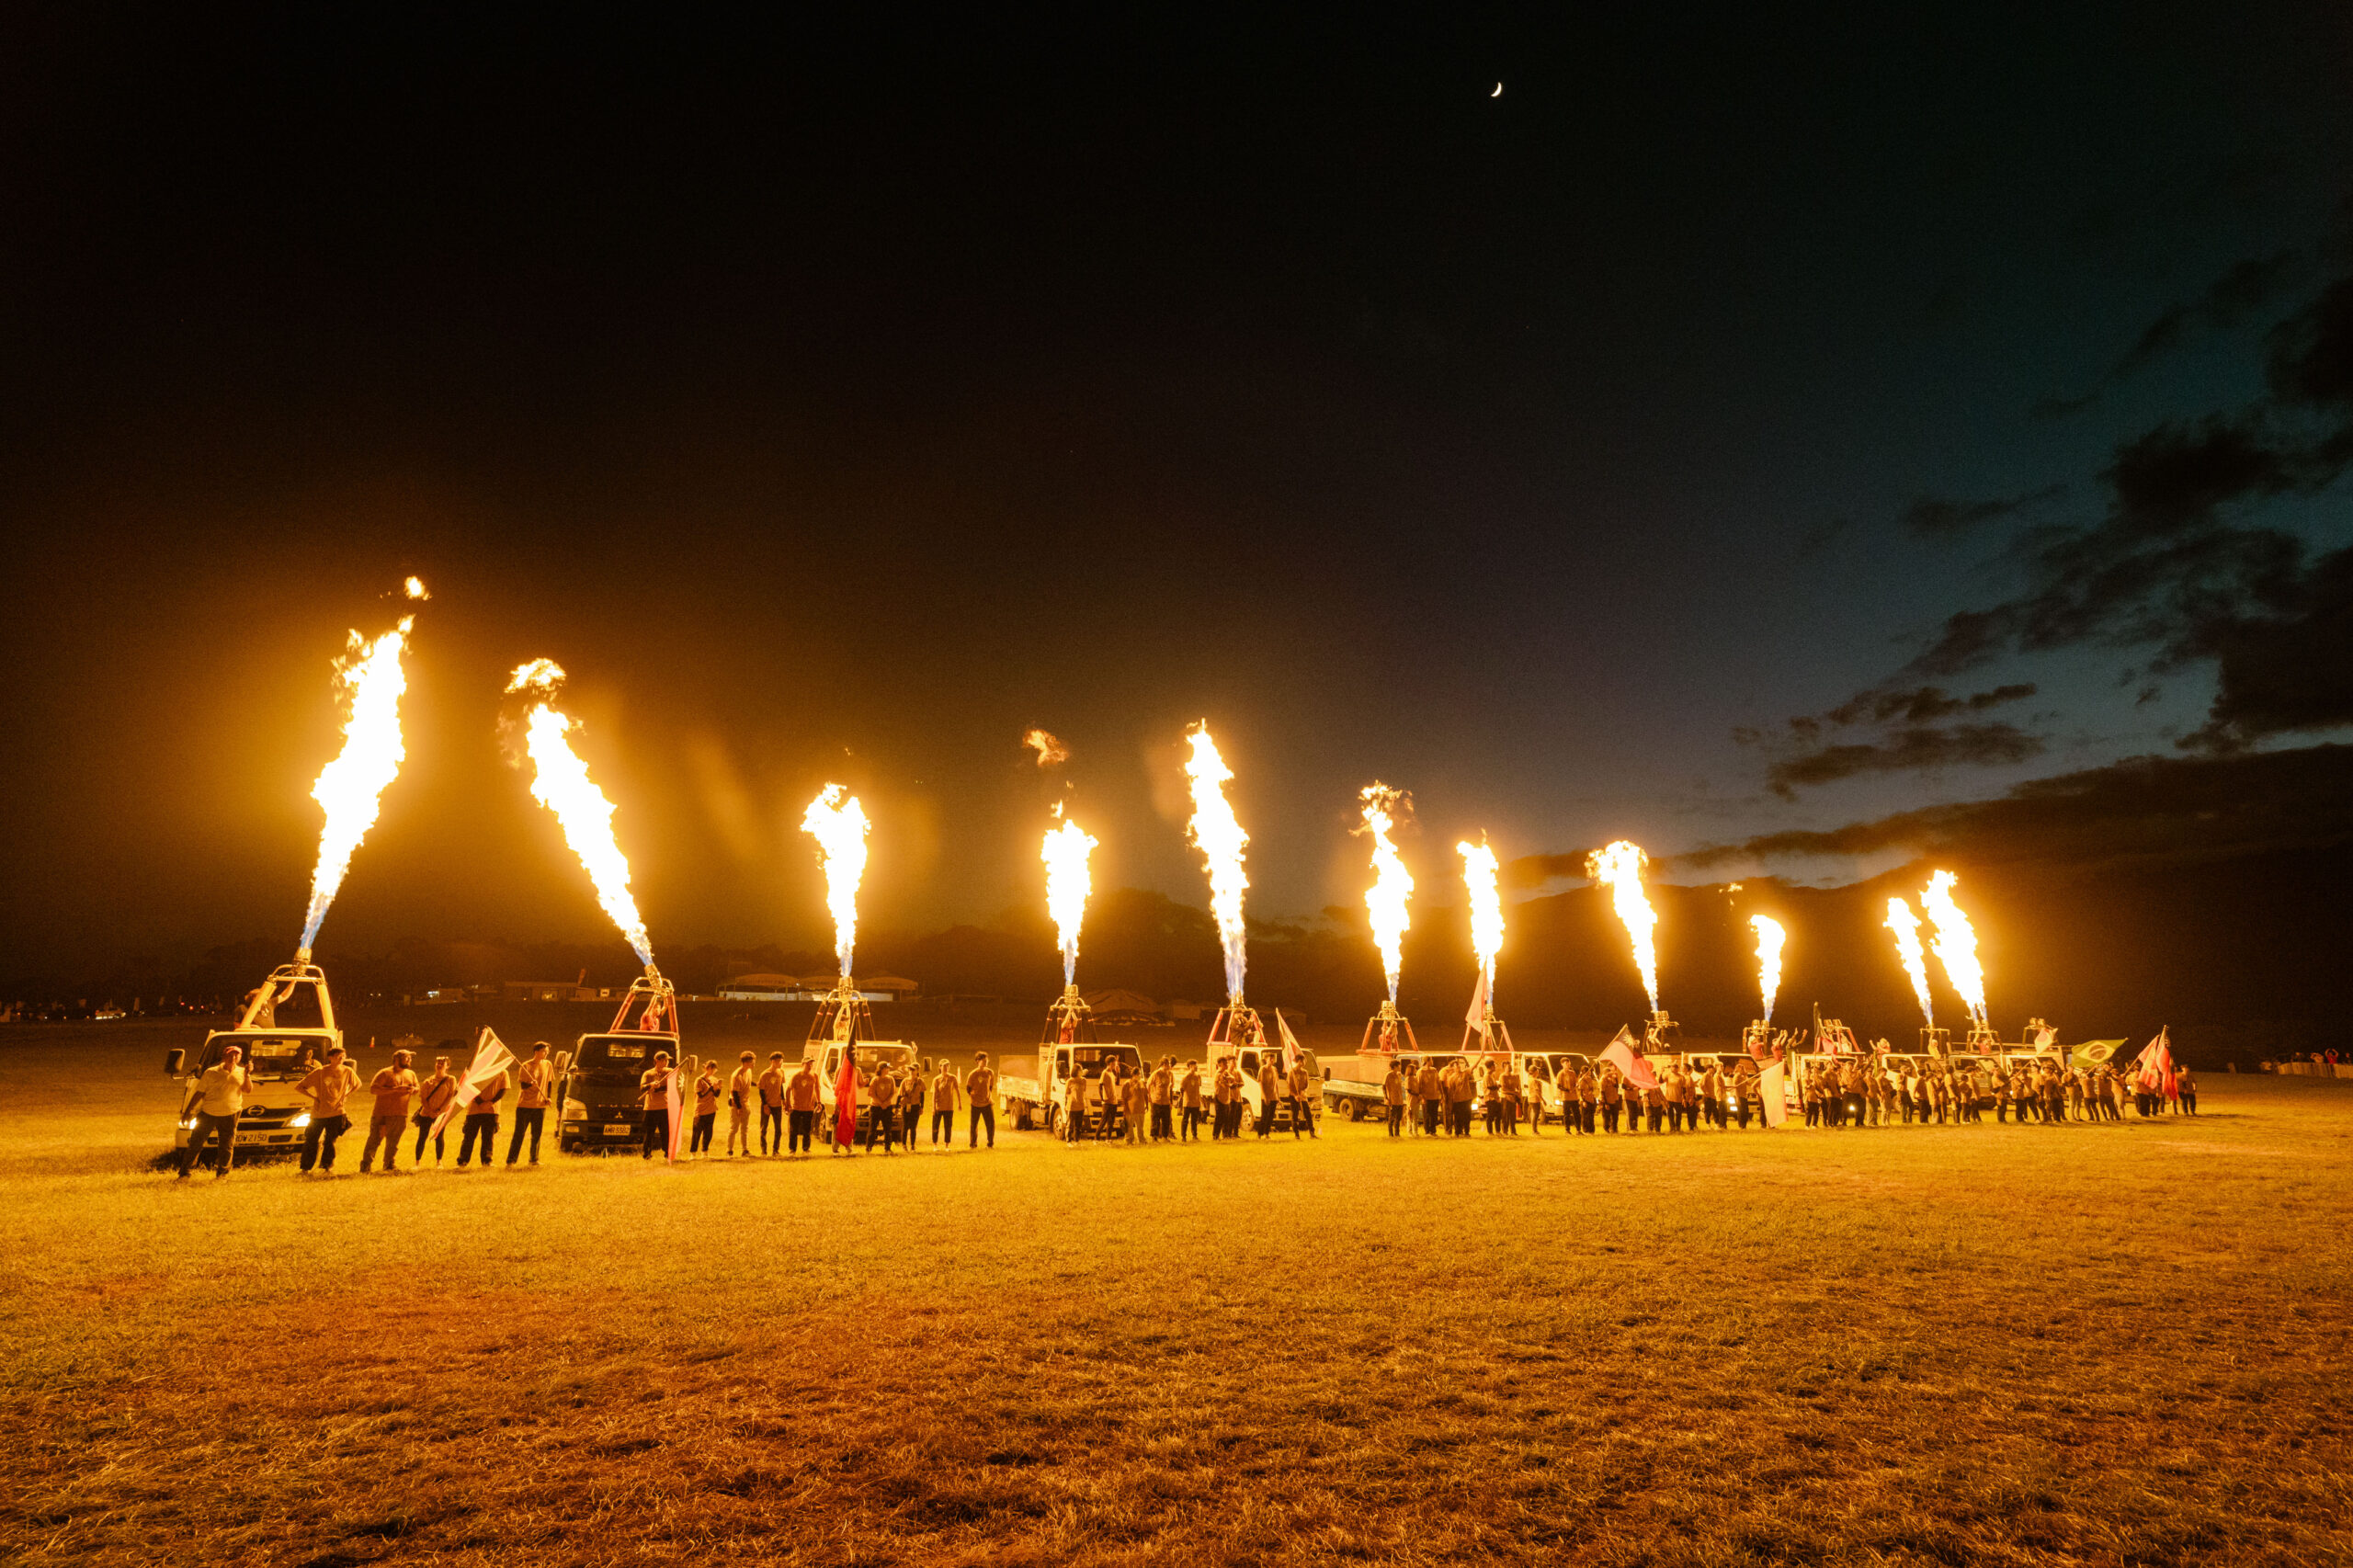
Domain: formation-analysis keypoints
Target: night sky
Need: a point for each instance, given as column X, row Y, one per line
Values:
column 1969, row 386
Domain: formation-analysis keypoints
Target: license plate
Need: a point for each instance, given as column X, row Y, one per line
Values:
column 616, row 1129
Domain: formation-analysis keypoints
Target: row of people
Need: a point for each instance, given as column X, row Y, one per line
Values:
column 1171, row 1102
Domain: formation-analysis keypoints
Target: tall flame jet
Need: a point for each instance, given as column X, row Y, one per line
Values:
column 1619, row 867
column 1769, row 938
column 1218, row 834
column 1956, row 943
column 560, row 781
column 1392, row 885
column 1486, row 904
column 1068, row 883
column 350, row 790
column 1907, row 927
column 838, row 823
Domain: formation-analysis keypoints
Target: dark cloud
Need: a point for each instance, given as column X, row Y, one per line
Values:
column 1914, row 744
column 1921, row 705
column 1921, row 748
column 2144, row 809
column 1938, row 518
column 1531, row 871
column 2230, row 302
column 2175, row 567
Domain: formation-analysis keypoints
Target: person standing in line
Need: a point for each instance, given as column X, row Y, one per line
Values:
column 882, row 1109
column 980, row 1097
column 2185, row 1088
column 1164, row 1100
column 1510, row 1083
column 1392, row 1098
column 395, row 1089
column 534, row 1081
column 433, row 1097
column 326, row 1087
column 1613, row 1096
column 772, row 1103
column 1587, row 1100
column 944, row 1087
column 797, row 1098
column 1189, row 1096
column 1270, row 1092
column 1076, row 1097
column 1429, row 1093
column 1302, row 1102
column 1111, row 1092
column 654, row 1100
column 481, row 1126
column 1143, row 1115
column 706, row 1108
column 1228, row 1124
column 1654, row 1105
column 742, row 1088
column 220, row 1091
column 911, row 1098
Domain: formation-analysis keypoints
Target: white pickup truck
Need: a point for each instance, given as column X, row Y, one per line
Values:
column 278, row 1057
column 1066, row 1046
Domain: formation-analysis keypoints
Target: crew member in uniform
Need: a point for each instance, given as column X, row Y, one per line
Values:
column 653, row 1097
column 742, row 1086
column 482, row 1120
column 1392, row 1098
column 1188, row 1094
column 433, row 1095
column 326, row 1087
column 1303, row 1112
column 944, row 1090
column 706, row 1108
column 395, row 1089
column 534, row 1081
column 980, row 1094
column 798, row 1101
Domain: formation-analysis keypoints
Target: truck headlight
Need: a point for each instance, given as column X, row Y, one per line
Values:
column 302, row 1120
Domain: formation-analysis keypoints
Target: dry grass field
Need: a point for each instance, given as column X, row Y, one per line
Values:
column 2091, row 1345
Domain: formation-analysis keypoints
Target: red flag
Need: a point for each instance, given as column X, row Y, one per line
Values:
column 2154, row 1063
column 1619, row 1053
column 845, row 1101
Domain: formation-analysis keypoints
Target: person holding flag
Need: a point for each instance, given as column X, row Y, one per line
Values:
column 492, row 1059
column 481, row 1125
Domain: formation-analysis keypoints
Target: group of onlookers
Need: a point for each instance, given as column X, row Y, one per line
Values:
column 1171, row 1102
column 1831, row 1092
column 402, row 1101
column 1857, row 1092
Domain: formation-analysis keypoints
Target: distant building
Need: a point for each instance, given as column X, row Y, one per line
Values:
column 763, row 988
column 542, row 991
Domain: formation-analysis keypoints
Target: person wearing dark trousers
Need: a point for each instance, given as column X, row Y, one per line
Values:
column 1161, row 1100
column 911, row 1097
column 1270, row 1092
column 945, row 1088
column 773, row 1100
column 882, row 1109
column 653, row 1097
column 980, row 1094
column 1188, row 1093
column 534, row 1080
column 798, row 1100
column 326, row 1087
column 706, row 1108
column 742, row 1088
column 433, row 1099
column 1303, row 1104
column 2185, row 1088
column 218, row 1099
column 481, row 1121
column 1392, row 1098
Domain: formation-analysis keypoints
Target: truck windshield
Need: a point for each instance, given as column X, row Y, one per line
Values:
column 618, row 1057
column 272, row 1056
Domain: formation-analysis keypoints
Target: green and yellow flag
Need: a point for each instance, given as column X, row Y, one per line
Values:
column 2092, row 1052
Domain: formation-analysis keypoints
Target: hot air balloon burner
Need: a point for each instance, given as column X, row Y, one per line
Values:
column 1069, row 1021
column 1936, row 1041
column 1389, row 1032
column 844, row 1016
column 1487, row 1034
column 1982, row 1036
column 1662, row 1035
column 654, row 1002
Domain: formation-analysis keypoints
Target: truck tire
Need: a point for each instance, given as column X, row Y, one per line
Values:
column 1355, row 1110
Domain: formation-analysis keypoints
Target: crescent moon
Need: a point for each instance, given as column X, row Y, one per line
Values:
column 1498, row 92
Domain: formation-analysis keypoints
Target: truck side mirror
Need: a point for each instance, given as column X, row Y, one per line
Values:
column 172, row 1059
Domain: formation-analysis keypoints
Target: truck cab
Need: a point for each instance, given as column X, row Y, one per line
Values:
column 285, row 1027
column 600, row 1081
column 1067, row 1045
